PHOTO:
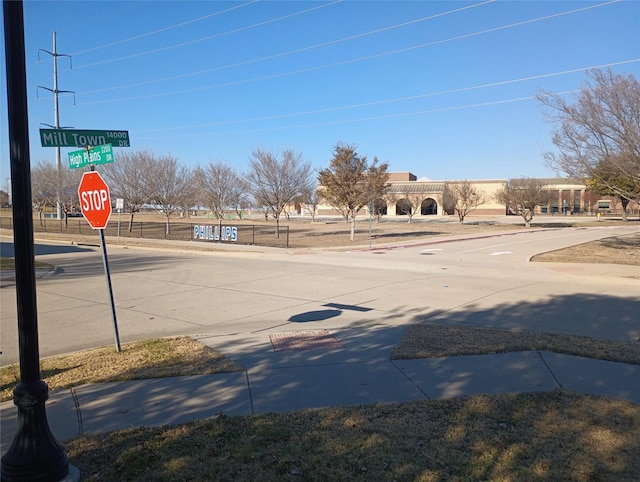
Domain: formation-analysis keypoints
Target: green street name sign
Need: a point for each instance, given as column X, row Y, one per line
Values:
column 82, row 138
column 98, row 155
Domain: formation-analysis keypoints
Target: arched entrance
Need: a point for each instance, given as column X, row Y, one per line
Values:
column 429, row 206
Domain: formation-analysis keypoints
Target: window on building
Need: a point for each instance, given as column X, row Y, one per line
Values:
column 576, row 201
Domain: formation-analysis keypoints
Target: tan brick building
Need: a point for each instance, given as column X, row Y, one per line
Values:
column 424, row 197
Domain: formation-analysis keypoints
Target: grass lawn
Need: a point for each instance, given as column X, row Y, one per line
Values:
column 524, row 437
column 9, row 263
column 156, row 358
column 527, row 437
column 542, row 436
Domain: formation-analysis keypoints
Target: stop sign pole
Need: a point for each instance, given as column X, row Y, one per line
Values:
column 95, row 204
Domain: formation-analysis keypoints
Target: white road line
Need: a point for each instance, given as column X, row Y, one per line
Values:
column 517, row 242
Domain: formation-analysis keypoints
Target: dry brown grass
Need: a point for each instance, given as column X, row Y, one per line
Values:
column 533, row 437
column 526, row 437
column 156, row 358
column 543, row 436
column 300, row 233
column 327, row 234
column 433, row 341
column 612, row 250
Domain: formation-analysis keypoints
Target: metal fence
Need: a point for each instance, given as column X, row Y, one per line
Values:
column 205, row 232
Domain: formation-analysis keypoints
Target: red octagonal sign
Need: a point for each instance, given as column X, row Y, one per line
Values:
column 95, row 201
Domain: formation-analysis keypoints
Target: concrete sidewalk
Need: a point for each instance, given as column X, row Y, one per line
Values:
column 281, row 379
column 339, row 365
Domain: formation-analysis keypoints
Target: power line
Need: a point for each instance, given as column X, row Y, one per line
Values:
column 140, row 54
column 400, row 99
column 387, row 116
column 356, row 120
column 171, row 27
column 360, row 59
column 290, row 52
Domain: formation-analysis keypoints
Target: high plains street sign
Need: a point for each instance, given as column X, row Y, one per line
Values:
column 96, row 155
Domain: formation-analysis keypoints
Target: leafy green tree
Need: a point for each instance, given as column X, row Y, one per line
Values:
column 350, row 182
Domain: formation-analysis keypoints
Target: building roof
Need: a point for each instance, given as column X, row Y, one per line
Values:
column 554, row 181
column 415, row 187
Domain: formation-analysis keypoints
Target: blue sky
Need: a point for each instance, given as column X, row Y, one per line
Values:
column 441, row 89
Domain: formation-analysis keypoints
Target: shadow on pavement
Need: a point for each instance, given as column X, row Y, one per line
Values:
column 361, row 372
column 598, row 316
column 7, row 251
column 317, row 315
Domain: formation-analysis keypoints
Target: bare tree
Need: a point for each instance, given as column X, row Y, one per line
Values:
column 609, row 174
column 46, row 180
column 222, row 189
column 310, row 200
column 244, row 199
column 408, row 201
column 69, row 182
column 43, row 187
column 349, row 183
column 602, row 125
column 190, row 199
column 522, row 196
column 463, row 198
column 167, row 186
column 127, row 178
column 276, row 182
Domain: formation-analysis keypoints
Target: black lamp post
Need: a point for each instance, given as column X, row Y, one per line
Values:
column 34, row 455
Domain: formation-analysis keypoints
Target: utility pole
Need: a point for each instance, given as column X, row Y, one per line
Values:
column 56, row 117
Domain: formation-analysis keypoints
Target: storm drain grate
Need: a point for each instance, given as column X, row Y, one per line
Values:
column 304, row 340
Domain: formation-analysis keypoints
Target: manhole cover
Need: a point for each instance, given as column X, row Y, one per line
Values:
column 304, row 340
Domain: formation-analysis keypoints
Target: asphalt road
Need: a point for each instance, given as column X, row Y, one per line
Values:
column 486, row 281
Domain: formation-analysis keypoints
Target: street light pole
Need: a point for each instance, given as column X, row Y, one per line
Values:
column 34, row 454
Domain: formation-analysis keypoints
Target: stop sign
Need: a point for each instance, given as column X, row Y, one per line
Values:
column 95, row 201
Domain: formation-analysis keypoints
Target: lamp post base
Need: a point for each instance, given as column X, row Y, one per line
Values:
column 35, row 454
